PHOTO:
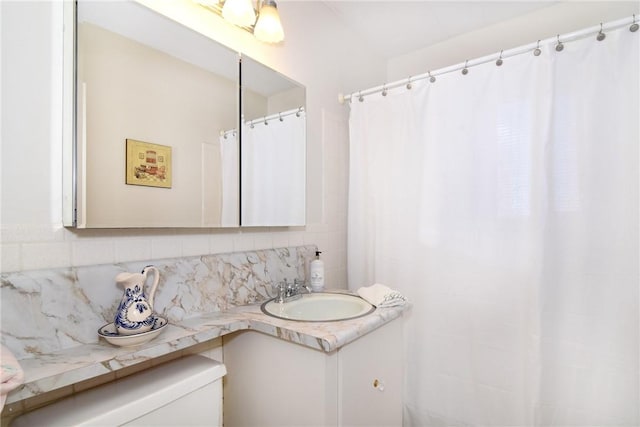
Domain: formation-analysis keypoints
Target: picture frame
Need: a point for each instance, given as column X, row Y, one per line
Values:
column 148, row 164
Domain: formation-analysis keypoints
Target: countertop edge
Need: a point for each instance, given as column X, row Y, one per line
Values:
column 48, row 372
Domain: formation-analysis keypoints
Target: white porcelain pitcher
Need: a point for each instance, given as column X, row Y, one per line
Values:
column 135, row 312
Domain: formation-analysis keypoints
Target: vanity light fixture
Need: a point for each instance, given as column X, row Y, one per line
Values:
column 263, row 21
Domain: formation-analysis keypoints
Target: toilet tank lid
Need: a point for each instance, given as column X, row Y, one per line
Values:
column 131, row 397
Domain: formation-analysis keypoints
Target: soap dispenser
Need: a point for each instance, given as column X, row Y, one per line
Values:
column 317, row 274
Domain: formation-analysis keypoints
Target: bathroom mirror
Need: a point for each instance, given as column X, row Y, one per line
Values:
column 273, row 153
column 152, row 98
column 158, row 123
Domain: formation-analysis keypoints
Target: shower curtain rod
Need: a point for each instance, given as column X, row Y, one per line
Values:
column 279, row 116
column 265, row 119
column 600, row 30
column 225, row 133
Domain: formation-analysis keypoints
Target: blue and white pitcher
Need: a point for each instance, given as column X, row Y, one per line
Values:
column 135, row 312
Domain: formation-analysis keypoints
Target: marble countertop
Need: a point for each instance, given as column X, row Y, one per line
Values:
column 49, row 372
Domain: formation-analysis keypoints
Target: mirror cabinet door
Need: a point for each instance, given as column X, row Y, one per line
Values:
column 153, row 101
column 273, row 148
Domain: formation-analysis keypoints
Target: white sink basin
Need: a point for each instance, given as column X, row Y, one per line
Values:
column 319, row 307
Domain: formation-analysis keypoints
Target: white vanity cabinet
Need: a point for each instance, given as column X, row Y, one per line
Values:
column 273, row 382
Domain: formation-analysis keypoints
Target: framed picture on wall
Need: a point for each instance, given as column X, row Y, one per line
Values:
column 148, row 164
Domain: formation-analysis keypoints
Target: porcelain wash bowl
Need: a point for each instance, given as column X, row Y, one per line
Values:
column 319, row 307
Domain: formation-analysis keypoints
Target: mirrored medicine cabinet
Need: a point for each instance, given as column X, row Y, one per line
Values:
column 173, row 129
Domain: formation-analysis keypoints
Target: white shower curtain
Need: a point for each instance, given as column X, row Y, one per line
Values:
column 270, row 193
column 230, row 166
column 504, row 204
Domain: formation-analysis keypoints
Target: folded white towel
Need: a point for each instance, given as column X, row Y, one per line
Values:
column 382, row 296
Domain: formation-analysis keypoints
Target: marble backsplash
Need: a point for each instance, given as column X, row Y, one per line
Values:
column 45, row 311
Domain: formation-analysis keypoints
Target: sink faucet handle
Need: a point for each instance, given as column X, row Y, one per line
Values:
column 281, row 289
column 290, row 288
column 301, row 283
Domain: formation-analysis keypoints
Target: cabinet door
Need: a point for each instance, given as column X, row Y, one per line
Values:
column 371, row 378
column 273, row 383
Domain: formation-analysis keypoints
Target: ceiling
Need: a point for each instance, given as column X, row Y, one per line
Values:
column 394, row 28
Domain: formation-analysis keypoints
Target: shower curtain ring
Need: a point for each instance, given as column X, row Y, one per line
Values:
column 280, row 116
column 499, row 61
column 559, row 46
column 384, row 90
column 360, row 97
column 431, row 78
column 601, row 36
column 409, row 85
column 465, row 70
column 634, row 27
column 537, row 50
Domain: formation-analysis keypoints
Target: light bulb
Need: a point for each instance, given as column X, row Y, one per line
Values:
column 239, row 12
column 269, row 28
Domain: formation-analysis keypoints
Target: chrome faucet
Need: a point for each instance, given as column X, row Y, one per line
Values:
column 291, row 291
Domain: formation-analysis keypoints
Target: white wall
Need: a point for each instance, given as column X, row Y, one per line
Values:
column 318, row 52
column 558, row 18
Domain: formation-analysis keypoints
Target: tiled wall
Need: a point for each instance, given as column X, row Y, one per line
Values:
column 35, row 248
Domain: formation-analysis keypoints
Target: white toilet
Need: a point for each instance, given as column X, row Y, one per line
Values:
column 184, row 392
